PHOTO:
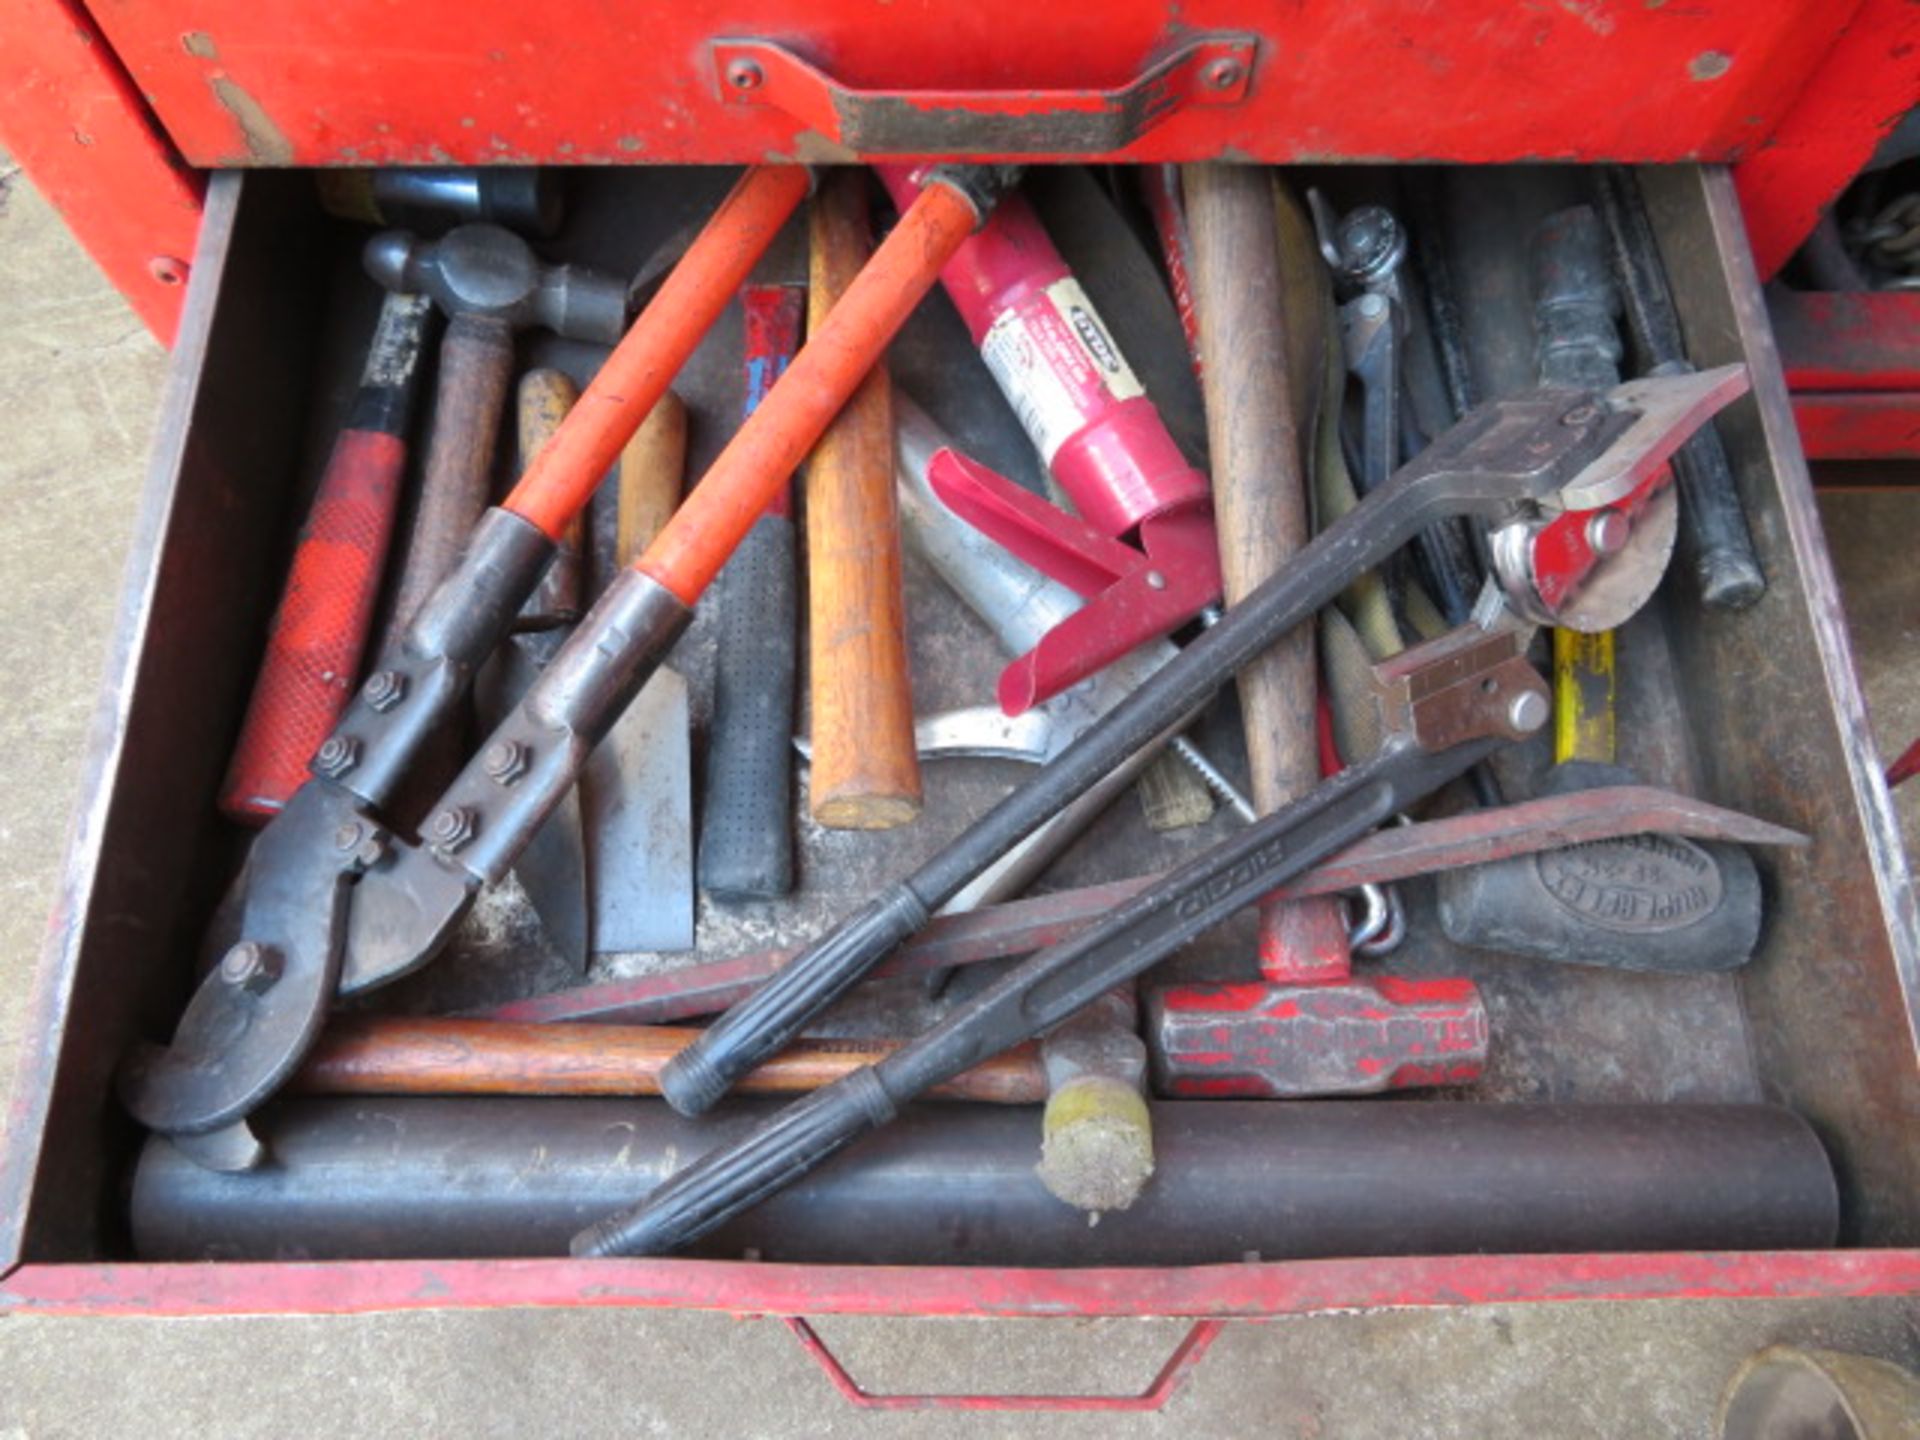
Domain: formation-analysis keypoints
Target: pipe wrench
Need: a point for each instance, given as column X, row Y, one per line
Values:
column 1521, row 464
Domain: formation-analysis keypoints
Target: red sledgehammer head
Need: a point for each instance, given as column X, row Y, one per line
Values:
column 1354, row 1037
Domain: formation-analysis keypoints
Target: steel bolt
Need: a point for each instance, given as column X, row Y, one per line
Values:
column 452, row 828
column 745, row 75
column 1608, row 532
column 364, row 844
column 1223, row 74
column 1580, row 415
column 1527, row 711
column 251, row 967
column 505, row 761
column 336, row 756
column 385, row 689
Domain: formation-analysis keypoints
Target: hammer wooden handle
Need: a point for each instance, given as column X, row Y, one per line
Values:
column 543, row 401
column 866, row 772
column 1260, row 507
column 652, row 468
column 476, row 361
column 406, row 1055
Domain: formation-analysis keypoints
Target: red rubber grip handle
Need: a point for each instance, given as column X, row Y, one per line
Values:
column 320, row 630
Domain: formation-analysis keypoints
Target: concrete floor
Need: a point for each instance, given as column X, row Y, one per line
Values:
column 81, row 380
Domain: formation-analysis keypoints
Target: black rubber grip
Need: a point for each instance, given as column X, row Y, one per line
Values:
column 746, row 830
column 1032, row 997
column 748, row 1034
column 1467, row 470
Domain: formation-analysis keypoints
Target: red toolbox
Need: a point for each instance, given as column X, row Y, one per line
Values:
column 1825, row 1016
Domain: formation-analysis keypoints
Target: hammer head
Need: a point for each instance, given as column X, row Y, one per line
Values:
column 490, row 273
column 1353, row 1037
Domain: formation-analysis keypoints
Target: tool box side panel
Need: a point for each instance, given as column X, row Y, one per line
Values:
column 360, row 82
column 198, row 579
column 1781, row 730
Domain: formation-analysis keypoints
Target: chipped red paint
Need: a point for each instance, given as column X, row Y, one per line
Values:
column 1864, row 84
column 1185, row 1358
column 1852, row 361
column 365, row 82
column 74, row 121
column 1866, row 426
column 1240, row 1291
column 1271, row 1040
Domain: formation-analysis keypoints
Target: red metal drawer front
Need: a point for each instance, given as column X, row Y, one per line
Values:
column 436, row 82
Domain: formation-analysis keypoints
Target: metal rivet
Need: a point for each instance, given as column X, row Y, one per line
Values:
column 1372, row 306
column 364, row 844
column 505, row 761
column 169, row 269
column 1581, row 415
column 1527, row 711
column 1155, row 580
column 251, row 967
column 1608, row 532
column 453, row 828
column 385, row 689
column 337, row 755
column 1223, row 74
column 745, row 75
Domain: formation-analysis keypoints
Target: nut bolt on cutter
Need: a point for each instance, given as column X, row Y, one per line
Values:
column 330, row 901
column 1446, row 705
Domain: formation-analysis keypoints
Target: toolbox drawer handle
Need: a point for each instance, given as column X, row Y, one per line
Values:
column 1186, row 1356
column 1202, row 70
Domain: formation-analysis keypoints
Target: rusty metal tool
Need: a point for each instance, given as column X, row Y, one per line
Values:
column 490, row 284
column 1640, row 902
column 331, row 901
column 524, row 198
column 319, row 632
column 746, row 822
column 553, row 867
column 1141, row 549
column 413, row 1178
column 866, row 772
column 431, row 1055
column 1400, row 852
column 1572, row 451
column 1309, row 1025
column 636, row 789
column 1713, row 526
column 1452, row 703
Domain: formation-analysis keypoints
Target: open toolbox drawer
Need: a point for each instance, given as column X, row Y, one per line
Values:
column 1822, row 1021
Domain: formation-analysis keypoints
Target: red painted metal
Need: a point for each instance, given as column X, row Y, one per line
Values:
column 1249, row 1291
column 1798, row 91
column 1185, row 1358
column 1866, row 81
column 1851, row 340
column 1852, row 361
column 1865, row 426
column 362, row 82
column 80, row 129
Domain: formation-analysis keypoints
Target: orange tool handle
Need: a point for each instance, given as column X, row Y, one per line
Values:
column 320, row 630
column 769, row 447
column 569, row 469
